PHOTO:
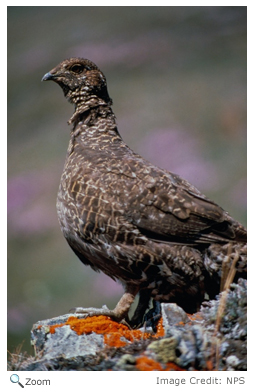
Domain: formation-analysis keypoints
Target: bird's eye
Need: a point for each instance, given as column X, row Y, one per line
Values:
column 77, row 68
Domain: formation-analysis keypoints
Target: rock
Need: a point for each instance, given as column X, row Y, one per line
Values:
column 63, row 342
column 172, row 314
column 205, row 340
column 232, row 362
column 188, row 346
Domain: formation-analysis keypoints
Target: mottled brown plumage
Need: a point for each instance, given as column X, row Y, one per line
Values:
column 148, row 228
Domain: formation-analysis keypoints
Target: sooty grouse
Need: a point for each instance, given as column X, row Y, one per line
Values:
column 141, row 225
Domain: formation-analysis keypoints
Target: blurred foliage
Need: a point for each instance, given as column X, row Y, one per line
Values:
column 177, row 76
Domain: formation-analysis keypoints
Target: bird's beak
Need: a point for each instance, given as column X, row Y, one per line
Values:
column 47, row 76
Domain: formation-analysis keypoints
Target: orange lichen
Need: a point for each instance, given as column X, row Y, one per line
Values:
column 53, row 327
column 160, row 330
column 147, row 364
column 209, row 365
column 97, row 324
column 115, row 334
column 195, row 317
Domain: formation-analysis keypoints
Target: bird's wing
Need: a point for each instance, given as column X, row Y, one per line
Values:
column 167, row 208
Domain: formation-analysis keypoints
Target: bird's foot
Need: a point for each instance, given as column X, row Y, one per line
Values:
column 119, row 313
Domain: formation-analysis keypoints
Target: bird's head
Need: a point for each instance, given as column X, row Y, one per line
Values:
column 80, row 80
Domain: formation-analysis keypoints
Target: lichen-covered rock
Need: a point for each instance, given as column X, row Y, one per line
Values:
column 188, row 345
column 212, row 339
column 172, row 315
column 54, row 340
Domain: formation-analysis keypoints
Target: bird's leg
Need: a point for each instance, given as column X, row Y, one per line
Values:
column 120, row 311
column 143, row 303
column 149, row 318
column 152, row 317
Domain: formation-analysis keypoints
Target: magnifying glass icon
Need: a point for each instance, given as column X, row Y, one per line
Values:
column 15, row 378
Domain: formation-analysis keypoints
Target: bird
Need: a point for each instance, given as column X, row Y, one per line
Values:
column 141, row 225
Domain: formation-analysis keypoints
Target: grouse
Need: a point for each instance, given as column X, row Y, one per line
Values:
column 141, row 225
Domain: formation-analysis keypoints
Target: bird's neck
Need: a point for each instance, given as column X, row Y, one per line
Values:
column 87, row 108
column 94, row 126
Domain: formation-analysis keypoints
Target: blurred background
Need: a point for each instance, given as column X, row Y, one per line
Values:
column 177, row 76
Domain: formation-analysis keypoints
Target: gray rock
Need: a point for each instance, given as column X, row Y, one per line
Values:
column 172, row 314
column 232, row 362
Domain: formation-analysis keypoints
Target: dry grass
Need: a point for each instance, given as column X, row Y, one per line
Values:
column 228, row 275
column 17, row 359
